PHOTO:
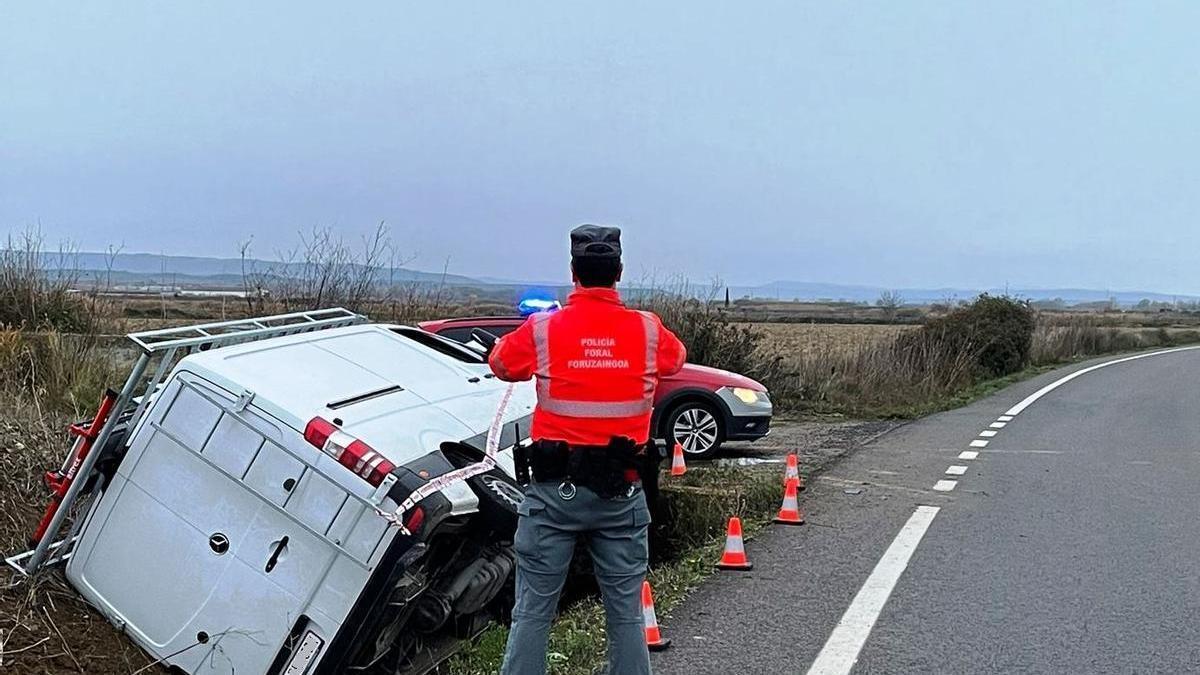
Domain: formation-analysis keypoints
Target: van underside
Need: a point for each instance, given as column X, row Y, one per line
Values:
column 436, row 590
column 449, row 594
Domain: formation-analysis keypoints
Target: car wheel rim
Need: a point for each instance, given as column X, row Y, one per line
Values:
column 696, row 430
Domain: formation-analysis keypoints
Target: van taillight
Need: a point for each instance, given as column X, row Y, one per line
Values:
column 348, row 450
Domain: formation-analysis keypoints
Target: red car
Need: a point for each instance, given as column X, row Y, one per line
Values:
column 698, row 407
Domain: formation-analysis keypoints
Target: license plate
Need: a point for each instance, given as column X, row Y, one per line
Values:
column 305, row 654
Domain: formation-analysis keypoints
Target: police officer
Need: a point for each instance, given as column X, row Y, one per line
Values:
column 597, row 364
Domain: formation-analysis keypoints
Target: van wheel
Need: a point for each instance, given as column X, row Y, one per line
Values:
column 499, row 498
column 697, row 427
column 499, row 494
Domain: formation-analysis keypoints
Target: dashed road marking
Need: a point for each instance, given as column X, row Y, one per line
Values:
column 968, row 454
column 956, row 470
column 945, row 485
column 841, row 650
column 998, row 425
column 988, row 433
column 979, row 444
column 1005, row 418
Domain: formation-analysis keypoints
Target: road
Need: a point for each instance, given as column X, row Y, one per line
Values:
column 1069, row 544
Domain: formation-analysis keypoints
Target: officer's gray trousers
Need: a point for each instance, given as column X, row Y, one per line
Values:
column 615, row 530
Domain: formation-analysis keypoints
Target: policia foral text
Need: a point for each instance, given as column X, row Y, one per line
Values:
column 597, row 365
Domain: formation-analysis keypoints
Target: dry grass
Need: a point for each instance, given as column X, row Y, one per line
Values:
column 865, row 370
column 797, row 340
column 47, row 380
column 1075, row 337
column 45, row 627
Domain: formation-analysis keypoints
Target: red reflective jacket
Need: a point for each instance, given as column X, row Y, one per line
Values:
column 597, row 364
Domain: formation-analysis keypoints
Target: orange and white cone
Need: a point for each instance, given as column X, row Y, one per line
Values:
column 655, row 642
column 678, row 468
column 793, row 471
column 734, row 557
column 789, row 513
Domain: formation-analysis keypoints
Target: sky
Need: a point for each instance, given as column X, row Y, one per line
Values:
column 899, row 144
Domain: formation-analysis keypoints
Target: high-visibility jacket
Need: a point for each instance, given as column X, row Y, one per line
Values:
column 597, row 365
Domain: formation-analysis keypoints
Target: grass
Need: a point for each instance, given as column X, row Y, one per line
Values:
column 45, row 627
column 872, row 371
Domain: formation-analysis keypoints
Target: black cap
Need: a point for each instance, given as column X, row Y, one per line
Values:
column 596, row 241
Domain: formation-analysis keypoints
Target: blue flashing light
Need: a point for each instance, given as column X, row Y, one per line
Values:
column 534, row 305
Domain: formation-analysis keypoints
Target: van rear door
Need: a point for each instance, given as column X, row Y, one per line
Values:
column 213, row 544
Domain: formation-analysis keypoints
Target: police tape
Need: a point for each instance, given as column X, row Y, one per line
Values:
column 490, row 449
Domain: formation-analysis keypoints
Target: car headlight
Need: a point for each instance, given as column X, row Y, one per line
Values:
column 746, row 395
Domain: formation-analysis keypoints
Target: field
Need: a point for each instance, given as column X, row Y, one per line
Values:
column 794, row 341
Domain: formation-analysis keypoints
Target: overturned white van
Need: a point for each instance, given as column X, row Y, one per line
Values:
column 237, row 526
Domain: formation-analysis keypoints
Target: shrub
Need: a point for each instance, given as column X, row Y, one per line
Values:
column 35, row 298
column 57, row 372
column 712, row 337
column 997, row 330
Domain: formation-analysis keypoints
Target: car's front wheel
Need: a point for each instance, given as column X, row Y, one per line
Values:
column 697, row 427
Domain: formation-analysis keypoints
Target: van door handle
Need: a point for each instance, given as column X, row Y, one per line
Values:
column 280, row 547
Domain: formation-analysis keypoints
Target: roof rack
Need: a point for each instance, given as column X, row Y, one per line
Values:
column 222, row 333
column 166, row 346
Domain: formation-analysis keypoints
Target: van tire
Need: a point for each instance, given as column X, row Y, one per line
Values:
column 499, row 495
column 499, row 499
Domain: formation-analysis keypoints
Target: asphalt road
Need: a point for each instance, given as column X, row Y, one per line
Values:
column 1071, row 544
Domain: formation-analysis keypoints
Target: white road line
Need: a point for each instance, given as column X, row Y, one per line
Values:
column 945, row 485
column 1029, row 400
column 1026, row 452
column 998, row 425
column 979, row 444
column 968, row 454
column 956, row 470
column 988, row 433
column 841, row 650
column 1004, row 418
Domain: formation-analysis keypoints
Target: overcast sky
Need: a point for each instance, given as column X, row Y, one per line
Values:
column 891, row 143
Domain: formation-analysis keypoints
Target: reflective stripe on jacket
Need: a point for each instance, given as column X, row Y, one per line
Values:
column 597, row 365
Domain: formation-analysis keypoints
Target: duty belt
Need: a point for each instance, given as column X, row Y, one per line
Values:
column 605, row 469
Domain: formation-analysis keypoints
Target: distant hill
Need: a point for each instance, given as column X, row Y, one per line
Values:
column 222, row 273
column 810, row 291
column 197, row 271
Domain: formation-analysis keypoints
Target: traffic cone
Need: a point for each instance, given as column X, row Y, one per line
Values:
column 734, row 557
column 678, row 468
column 793, row 471
column 789, row 513
column 655, row 642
